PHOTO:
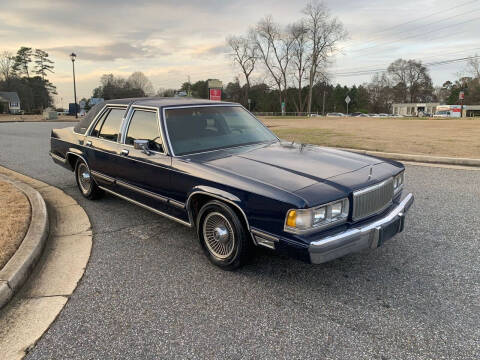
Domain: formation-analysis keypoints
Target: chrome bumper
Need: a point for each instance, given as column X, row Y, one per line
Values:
column 370, row 235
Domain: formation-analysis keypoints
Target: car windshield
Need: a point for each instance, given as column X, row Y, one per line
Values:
column 197, row 129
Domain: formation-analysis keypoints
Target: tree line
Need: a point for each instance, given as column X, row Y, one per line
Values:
column 405, row 81
column 26, row 73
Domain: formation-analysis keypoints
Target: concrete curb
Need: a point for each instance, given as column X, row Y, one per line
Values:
column 20, row 265
column 420, row 158
column 56, row 275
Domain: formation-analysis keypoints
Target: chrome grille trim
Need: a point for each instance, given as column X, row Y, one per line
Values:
column 372, row 200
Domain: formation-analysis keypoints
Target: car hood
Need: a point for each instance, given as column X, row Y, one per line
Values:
column 285, row 165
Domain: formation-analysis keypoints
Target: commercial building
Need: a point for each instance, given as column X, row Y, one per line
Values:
column 471, row 110
column 412, row 109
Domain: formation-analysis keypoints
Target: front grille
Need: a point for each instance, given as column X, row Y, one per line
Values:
column 372, row 200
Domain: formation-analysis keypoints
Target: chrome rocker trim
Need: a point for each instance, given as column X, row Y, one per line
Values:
column 359, row 238
column 146, row 207
column 58, row 158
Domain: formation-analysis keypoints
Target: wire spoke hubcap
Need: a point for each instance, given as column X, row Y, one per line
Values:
column 84, row 178
column 218, row 234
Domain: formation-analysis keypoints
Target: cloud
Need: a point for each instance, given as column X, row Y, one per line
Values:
column 110, row 52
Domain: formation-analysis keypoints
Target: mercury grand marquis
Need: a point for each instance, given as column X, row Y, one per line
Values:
column 214, row 167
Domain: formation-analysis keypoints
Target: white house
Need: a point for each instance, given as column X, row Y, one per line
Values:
column 12, row 100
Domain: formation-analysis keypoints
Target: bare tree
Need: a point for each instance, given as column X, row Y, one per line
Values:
column 473, row 67
column 300, row 60
column 411, row 78
column 274, row 50
column 244, row 55
column 324, row 32
column 7, row 60
column 138, row 80
column 380, row 93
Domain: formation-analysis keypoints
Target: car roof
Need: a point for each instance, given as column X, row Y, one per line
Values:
column 166, row 101
column 158, row 102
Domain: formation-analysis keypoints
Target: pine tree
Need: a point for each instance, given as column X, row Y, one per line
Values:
column 22, row 61
column 42, row 63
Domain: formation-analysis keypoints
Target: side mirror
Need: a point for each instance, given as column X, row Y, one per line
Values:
column 141, row 145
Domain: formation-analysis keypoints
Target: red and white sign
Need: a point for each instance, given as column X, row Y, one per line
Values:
column 216, row 94
column 461, row 95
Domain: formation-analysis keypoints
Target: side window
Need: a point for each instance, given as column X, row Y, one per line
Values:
column 144, row 126
column 111, row 125
column 98, row 125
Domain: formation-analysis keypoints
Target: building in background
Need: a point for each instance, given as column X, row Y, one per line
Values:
column 471, row 110
column 411, row 109
column 10, row 102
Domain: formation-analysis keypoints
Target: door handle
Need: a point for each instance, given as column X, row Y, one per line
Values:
column 124, row 152
column 88, row 143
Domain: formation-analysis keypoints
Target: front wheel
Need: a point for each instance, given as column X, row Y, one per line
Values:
column 85, row 182
column 223, row 236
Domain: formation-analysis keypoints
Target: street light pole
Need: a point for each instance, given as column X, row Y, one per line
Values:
column 73, row 56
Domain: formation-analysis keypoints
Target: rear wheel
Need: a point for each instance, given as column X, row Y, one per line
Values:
column 223, row 236
column 85, row 182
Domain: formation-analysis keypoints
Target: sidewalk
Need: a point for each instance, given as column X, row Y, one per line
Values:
column 54, row 279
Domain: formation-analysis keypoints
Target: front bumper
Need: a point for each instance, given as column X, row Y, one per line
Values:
column 370, row 235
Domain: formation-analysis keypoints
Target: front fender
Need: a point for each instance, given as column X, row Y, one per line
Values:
column 217, row 194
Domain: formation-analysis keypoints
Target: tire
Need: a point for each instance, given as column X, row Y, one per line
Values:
column 85, row 182
column 223, row 236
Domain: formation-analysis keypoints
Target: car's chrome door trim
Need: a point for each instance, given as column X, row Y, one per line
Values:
column 147, row 207
column 104, row 177
column 176, row 203
column 141, row 191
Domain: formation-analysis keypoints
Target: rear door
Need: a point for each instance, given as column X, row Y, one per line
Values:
column 103, row 145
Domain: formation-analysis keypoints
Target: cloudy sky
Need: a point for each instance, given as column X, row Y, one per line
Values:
column 171, row 40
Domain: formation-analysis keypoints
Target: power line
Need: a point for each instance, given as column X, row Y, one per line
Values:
column 340, row 70
column 417, row 19
column 366, row 49
column 431, row 64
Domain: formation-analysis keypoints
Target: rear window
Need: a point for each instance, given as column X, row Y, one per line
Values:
column 82, row 126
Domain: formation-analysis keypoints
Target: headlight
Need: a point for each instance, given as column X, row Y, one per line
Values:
column 304, row 220
column 398, row 182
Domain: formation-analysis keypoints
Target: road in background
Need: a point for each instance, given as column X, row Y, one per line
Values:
column 149, row 292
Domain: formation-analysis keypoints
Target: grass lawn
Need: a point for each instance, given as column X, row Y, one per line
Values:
column 14, row 220
column 439, row 137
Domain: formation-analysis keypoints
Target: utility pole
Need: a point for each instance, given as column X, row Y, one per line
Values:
column 323, row 104
column 189, row 93
column 73, row 56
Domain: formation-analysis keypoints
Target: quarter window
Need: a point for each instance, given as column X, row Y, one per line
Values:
column 144, row 126
column 111, row 125
column 98, row 125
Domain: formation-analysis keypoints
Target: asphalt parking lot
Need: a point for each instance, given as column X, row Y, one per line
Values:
column 149, row 292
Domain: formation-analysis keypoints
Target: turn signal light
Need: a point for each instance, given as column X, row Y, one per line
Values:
column 292, row 218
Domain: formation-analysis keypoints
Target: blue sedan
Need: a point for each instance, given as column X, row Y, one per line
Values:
column 213, row 166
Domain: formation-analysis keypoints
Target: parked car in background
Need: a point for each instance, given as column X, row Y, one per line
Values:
column 358, row 114
column 214, row 167
column 334, row 114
